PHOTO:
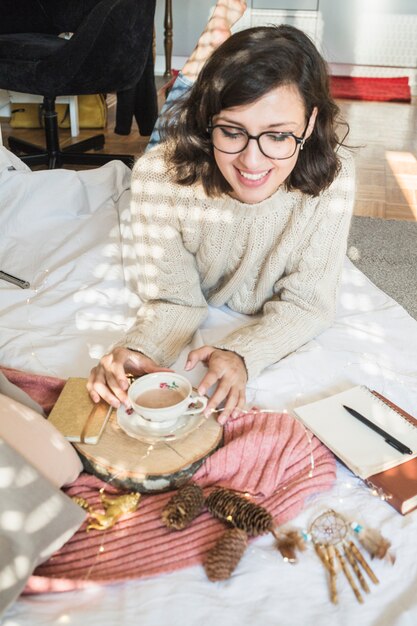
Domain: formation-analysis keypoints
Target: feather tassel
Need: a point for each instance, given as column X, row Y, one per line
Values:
column 374, row 543
column 288, row 543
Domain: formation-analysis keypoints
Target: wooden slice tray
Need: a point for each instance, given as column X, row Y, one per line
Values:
column 132, row 464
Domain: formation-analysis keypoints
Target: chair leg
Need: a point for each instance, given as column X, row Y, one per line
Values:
column 19, row 145
column 84, row 158
column 36, row 159
column 51, row 133
column 92, row 143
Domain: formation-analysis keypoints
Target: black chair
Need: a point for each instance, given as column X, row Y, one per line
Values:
column 109, row 51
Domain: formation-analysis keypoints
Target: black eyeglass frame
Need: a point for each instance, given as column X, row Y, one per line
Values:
column 298, row 140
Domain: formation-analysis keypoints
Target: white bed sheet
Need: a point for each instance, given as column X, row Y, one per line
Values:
column 60, row 231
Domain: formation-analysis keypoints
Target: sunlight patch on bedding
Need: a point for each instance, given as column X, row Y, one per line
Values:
column 17, row 570
column 131, row 298
column 112, row 250
column 11, row 520
column 7, row 475
column 84, row 321
column 102, row 297
column 355, row 301
column 39, row 516
column 110, row 272
column 129, row 252
column 115, row 234
column 25, row 476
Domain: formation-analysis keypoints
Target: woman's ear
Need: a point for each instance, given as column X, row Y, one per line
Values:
column 311, row 123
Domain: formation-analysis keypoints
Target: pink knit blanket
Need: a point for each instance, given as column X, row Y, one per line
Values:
column 267, row 455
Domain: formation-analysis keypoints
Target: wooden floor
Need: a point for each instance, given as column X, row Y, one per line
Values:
column 386, row 157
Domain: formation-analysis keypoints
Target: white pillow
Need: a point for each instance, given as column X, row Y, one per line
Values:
column 39, row 442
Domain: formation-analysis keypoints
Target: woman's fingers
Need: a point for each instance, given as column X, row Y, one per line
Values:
column 226, row 370
column 221, row 393
column 94, row 395
column 200, row 354
column 111, row 382
column 108, row 379
column 98, row 387
column 230, row 405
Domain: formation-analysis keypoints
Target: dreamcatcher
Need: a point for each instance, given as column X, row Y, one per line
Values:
column 332, row 536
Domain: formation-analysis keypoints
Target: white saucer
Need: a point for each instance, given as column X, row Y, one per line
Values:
column 136, row 426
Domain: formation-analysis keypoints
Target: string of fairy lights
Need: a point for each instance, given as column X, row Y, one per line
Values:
column 364, row 360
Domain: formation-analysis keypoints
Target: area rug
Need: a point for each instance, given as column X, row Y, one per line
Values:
column 386, row 252
column 394, row 89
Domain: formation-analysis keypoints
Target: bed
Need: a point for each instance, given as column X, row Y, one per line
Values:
column 60, row 230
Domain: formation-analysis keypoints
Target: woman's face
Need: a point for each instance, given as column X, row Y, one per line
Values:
column 252, row 175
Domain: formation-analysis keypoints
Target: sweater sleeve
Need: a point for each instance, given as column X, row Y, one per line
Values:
column 305, row 297
column 163, row 271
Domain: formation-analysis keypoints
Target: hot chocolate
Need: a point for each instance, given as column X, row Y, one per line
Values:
column 159, row 398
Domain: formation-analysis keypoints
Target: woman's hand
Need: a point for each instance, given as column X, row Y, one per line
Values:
column 228, row 370
column 108, row 379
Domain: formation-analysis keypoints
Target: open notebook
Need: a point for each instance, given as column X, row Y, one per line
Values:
column 363, row 450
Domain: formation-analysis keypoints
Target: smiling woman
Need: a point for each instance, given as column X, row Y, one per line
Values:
column 248, row 200
column 255, row 171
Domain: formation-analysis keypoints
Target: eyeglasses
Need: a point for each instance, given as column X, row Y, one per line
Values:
column 273, row 145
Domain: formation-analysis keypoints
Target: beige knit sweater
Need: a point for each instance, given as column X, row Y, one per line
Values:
column 279, row 260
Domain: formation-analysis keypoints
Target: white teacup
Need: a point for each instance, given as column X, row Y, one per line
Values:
column 163, row 397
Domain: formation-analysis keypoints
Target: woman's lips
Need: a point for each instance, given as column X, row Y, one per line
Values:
column 252, row 179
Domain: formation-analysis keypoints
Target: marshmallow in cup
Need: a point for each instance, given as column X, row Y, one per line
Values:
column 164, row 397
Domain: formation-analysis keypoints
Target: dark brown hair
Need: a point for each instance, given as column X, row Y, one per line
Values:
column 244, row 68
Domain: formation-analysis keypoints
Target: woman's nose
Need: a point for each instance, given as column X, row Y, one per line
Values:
column 252, row 156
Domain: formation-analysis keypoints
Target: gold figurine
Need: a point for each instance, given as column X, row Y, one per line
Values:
column 114, row 508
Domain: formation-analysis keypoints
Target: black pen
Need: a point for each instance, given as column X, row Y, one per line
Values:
column 23, row 284
column 392, row 441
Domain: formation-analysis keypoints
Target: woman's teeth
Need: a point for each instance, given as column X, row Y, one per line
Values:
column 253, row 176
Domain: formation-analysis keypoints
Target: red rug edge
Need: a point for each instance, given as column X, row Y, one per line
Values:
column 372, row 88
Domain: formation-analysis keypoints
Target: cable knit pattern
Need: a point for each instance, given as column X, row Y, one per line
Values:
column 279, row 260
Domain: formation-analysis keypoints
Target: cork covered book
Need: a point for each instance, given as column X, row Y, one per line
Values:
column 76, row 416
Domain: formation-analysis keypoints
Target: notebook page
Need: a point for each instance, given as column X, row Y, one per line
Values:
column 364, row 451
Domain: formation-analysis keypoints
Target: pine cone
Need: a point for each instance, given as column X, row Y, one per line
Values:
column 231, row 507
column 183, row 507
column 222, row 559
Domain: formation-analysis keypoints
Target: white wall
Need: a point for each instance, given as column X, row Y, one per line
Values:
column 189, row 19
column 350, row 32
column 369, row 32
